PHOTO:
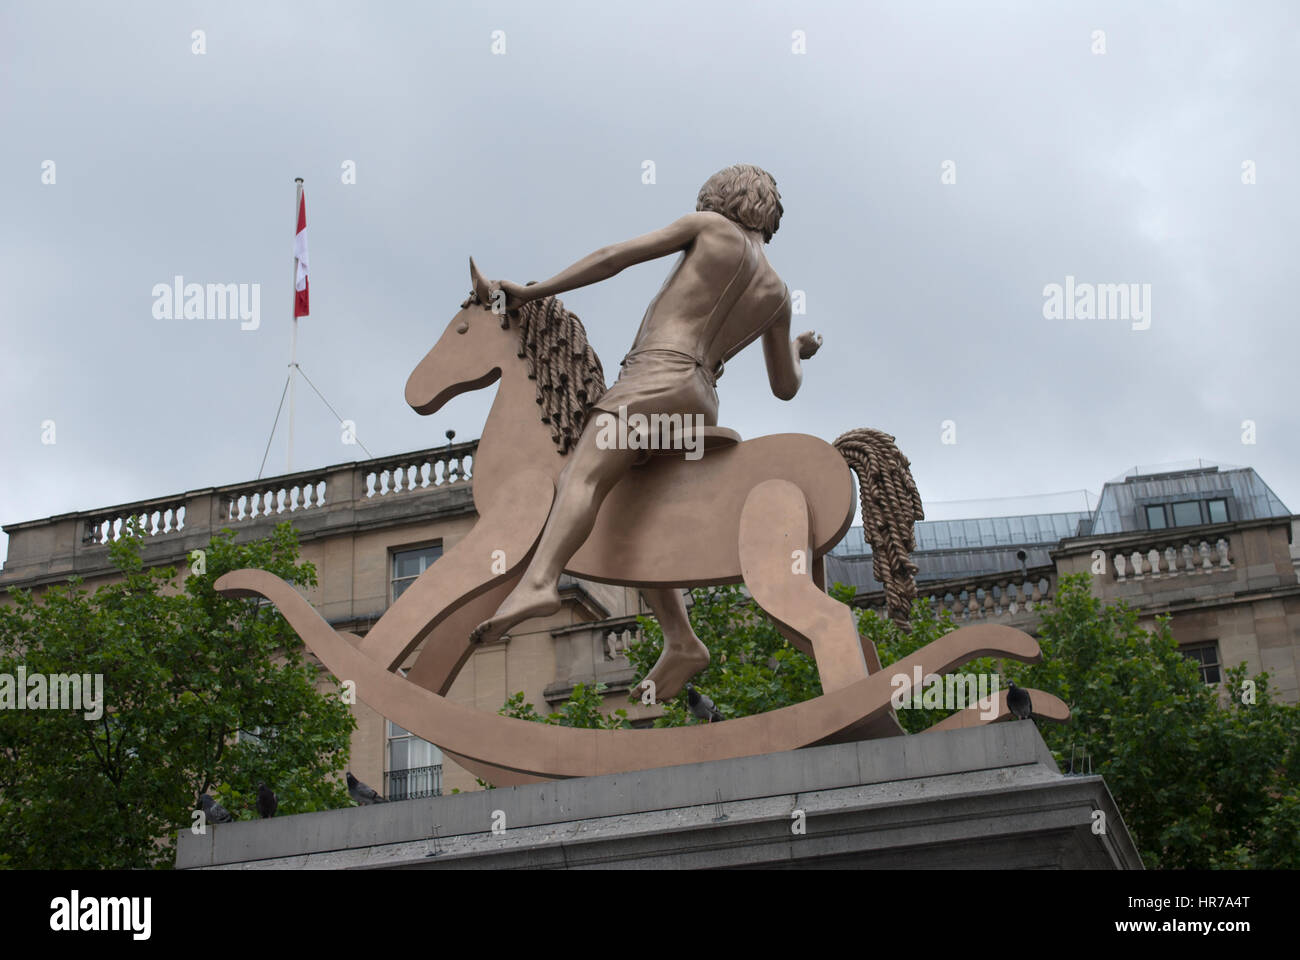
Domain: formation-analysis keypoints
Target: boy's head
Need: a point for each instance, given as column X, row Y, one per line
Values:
column 745, row 194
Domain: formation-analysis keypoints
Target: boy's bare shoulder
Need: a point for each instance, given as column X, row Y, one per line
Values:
column 712, row 220
column 713, row 225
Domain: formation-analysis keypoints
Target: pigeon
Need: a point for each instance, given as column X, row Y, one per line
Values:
column 214, row 811
column 1018, row 702
column 362, row 794
column 701, row 706
column 266, row 801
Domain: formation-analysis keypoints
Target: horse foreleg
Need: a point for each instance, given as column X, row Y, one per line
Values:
column 449, row 646
column 497, row 548
column 445, row 652
column 776, row 561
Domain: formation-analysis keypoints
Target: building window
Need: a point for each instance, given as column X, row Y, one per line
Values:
column 414, row 766
column 1187, row 513
column 1205, row 656
column 1156, row 517
column 409, row 564
column 1218, row 510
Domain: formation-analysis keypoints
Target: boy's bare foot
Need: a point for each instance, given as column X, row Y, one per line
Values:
column 677, row 664
column 523, row 602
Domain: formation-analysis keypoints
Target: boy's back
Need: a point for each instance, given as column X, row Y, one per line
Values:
column 719, row 297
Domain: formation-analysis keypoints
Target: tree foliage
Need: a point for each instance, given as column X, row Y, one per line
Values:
column 752, row 668
column 893, row 645
column 1203, row 777
column 200, row 691
column 581, row 709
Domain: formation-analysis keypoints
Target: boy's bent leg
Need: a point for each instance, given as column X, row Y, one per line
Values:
column 582, row 486
column 684, row 654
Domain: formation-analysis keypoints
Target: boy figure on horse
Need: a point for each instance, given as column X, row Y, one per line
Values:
column 720, row 296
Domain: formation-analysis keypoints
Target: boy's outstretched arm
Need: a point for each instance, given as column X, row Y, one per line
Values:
column 783, row 356
column 608, row 261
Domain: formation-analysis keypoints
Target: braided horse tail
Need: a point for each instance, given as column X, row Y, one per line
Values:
column 890, row 508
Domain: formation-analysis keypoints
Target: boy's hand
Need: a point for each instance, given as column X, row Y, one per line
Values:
column 515, row 296
column 807, row 343
column 503, row 296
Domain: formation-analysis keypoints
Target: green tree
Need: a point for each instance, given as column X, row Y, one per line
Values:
column 581, row 709
column 752, row 668
column 199, row 691
column 892, row 645
column 1203, row 779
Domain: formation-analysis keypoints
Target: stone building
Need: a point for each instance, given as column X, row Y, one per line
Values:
column 1213, row 546
column 370, row 528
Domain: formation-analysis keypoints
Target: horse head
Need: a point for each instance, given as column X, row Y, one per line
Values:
column 468, row 356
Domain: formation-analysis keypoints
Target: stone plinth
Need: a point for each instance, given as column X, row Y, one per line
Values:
column 980, row 797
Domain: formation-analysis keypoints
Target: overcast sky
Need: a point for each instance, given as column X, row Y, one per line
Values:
column 1122, row 166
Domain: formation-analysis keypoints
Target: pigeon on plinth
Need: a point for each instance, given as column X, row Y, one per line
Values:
column 701, row 706
column 267, row 802
column 1018, row 702
column 214, row 811
column 364, row 795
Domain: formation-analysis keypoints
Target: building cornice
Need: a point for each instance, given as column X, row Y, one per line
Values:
column 1073, row 546
column 353, row 497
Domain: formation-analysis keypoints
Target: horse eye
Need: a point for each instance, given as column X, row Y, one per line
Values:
column 463, row 327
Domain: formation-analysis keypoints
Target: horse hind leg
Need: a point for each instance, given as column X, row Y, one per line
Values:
column 776, row 562
column 868, row 646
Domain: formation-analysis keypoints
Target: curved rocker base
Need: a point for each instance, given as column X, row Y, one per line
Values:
column 538, row 751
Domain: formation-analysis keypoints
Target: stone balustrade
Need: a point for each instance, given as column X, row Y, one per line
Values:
column 592, row 653
column 154, row 518
column 367, row 491
column 271, row 497
column 618, row 643
column 440, row 467
column 431, row 468
column 1172, row 556
column 986, row 597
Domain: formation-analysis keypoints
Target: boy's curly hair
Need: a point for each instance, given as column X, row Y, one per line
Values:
column 745, row 194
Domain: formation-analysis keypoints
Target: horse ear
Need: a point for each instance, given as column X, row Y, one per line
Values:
column 480, row 285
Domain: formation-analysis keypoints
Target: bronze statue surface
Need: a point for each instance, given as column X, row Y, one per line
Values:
column 558, row 490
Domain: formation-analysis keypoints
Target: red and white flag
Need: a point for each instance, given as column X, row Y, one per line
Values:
column 300, row 257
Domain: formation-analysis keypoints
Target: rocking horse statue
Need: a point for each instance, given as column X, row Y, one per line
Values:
column 557, row 493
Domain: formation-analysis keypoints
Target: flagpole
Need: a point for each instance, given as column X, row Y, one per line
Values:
column 293, row 342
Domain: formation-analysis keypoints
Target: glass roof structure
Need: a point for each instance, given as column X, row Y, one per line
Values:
column 1040, row 528
column 1248, row 496
column 947, row 549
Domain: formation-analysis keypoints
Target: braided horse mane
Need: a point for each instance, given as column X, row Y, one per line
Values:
column 553, row 343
